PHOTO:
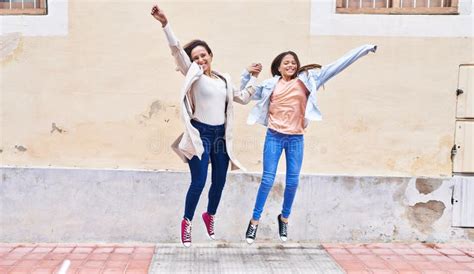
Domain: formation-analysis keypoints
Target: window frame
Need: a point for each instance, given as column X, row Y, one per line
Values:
column 41, row 10
column 395, row 9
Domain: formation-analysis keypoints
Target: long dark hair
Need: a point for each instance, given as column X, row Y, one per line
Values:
column 277, row 62
column 195, row 43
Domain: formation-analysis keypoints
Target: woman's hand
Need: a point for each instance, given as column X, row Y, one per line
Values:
column 159, row 15
column 254, row 69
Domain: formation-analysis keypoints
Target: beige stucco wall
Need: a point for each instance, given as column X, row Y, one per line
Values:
column 110, row 88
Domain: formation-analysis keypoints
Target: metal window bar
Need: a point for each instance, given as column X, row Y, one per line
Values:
column 374, row 3
column 10, row 6
column 348, row 3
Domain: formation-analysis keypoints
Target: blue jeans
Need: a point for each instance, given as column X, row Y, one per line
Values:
column 214, row 150
column 275, row 143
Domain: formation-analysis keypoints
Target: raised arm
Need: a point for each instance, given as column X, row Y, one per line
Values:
column 247, row 84
column 181, row 58
column 328, row 71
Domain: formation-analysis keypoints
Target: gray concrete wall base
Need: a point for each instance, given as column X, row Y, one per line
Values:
column 78, row 205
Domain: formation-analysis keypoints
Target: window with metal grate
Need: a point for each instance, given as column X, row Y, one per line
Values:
column 23, row 7
column 397, row 6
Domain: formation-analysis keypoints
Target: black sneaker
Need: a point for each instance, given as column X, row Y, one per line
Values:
column 251, row 233
column 282, row 229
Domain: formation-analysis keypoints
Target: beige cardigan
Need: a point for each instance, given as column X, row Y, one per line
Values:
column 189, row 143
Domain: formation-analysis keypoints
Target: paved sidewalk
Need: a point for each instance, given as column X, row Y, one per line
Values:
column 242, row 258
column 404, row 258
column 221, row 257
column 84, row 258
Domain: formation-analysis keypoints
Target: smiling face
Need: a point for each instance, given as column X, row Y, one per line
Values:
column 203, row 58
column 288, row 66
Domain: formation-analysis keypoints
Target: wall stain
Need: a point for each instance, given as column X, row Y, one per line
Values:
column 21, row 148
column 56, row 128
column 446, row 141
column 390, row 164
column 155, row 107
column 349, row 182
column 422, row 216
column 250, row 178
column 359, row 126
column 278, row 189
column 12, row 47
column 399, row 194
column 356, row 234
column 470, row 234
column 418, row 163
column 395, row 232
column 426, row 186
column 430, row 162
column 440, row 160
column 158, row 108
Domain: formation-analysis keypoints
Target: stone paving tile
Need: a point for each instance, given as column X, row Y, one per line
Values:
column 403, row 258
column 84, row 258
column 218, row 257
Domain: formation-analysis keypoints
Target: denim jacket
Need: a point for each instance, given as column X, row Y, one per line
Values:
column 313, row 79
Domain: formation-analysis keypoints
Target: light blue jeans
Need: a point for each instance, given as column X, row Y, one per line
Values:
column 275, row 143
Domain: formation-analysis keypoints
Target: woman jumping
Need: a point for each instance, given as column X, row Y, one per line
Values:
column 286, row 103
column 207, row 113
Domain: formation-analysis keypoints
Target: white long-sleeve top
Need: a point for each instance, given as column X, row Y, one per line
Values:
column 210, row 95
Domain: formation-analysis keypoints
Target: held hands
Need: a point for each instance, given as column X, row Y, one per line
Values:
column 159, row 15
column 254, row 69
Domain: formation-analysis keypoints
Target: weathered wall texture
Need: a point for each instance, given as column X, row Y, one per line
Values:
column 72, row 205
column 106, row 94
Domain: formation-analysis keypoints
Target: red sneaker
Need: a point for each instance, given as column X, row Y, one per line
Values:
column 186, row 232
column 209, row 222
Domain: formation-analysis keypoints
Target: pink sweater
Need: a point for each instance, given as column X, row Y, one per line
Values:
column 287, row 107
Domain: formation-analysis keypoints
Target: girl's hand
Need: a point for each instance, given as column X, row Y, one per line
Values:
column 254, row 69
column 159, row 15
